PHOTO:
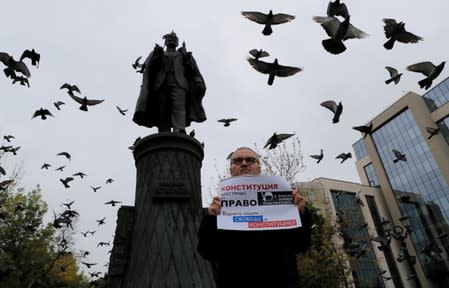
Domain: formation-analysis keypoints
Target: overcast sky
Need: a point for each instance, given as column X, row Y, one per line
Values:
column 92, row 44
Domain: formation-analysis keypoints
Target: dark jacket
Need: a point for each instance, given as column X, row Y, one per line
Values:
column 260, row 259
column 187, row 76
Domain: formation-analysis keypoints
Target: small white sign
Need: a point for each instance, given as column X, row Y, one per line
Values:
column 257, row 203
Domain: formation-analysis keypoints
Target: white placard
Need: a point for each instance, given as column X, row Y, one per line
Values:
column 257, row 203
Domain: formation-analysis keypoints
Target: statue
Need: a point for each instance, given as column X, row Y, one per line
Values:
column 172, row 89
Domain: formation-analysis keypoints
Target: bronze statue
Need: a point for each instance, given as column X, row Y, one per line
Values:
column 172, row 89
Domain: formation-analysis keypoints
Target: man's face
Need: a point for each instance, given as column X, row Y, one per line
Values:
column 244, row 162
column 171, row 42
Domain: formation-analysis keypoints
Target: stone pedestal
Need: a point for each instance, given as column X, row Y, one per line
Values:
column 118, row 261
column 167, row 215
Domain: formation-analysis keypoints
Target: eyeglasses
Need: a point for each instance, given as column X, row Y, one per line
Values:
column 248, row 160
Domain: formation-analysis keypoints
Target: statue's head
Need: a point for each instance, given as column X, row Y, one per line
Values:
column 171, row 40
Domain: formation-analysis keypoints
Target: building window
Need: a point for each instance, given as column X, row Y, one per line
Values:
column 360, row 149
column 365, row 269
column 371, row 175
column 438, row 95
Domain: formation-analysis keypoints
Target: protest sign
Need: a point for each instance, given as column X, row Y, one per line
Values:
column 257, row 203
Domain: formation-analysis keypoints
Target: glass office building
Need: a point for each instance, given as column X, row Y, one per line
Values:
column 417, row 184
column 357, row 242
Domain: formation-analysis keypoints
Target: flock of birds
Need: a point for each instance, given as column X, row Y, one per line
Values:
column 339, row 30
column 66, row 218
column 19, row 72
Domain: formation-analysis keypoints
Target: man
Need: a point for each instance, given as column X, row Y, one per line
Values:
column 172, row 89
column 262, row 259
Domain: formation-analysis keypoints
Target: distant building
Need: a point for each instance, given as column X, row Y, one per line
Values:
column 399, row 214
column 356, row 209
column 416, row 185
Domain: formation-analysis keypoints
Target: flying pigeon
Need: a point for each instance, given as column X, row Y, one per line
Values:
column 276, row 139
column 94, row 274
column 404, row 197
column 336, row 109
column 432, row 131
column 85, row 102
column 396, row 32
column 134, row 144
column 8, row 138
column 58, row 104
column 384, row 242
column 65, row 154
column 43, row 113
column 267, row 19
column 363, row 225
column 33, row 55
column 5, row 148
column 13, row 150
column 45, row 166
column 109, row 181
column 136, row 65
column 61, row 168
column 318, row 157
column 399, row 156
column 112, row 202
column 95, row 188
column 101, row 221
column 366, row 129
column 344, row 156
column 70, row 88
column 428, row 69
column 258, row 53
column 22, row 81
column 13, row 66
column 80, row 174
column 68, row 205
column 122, row 111
column 88, row 264
column 5, row 183
column 273, row 69
column 394, row 75
column 227, row 121
column 66, row 181
column 338, row 32
column 337, row 9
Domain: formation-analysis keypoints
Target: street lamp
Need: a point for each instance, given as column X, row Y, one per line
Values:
column 401, row 233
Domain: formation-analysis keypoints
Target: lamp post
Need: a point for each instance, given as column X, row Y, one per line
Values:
column 401, row 233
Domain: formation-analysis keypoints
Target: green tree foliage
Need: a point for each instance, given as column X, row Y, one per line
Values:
column 323, row 265
column 30, row 254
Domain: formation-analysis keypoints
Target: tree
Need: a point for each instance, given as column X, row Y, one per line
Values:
column 323, row 256
column 286, row 161
column 30, row 253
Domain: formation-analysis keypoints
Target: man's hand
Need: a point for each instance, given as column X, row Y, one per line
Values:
column 298, row 200
column 215, row 207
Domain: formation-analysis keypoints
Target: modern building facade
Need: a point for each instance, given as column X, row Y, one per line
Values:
column 357, row 211
column 406, row 156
